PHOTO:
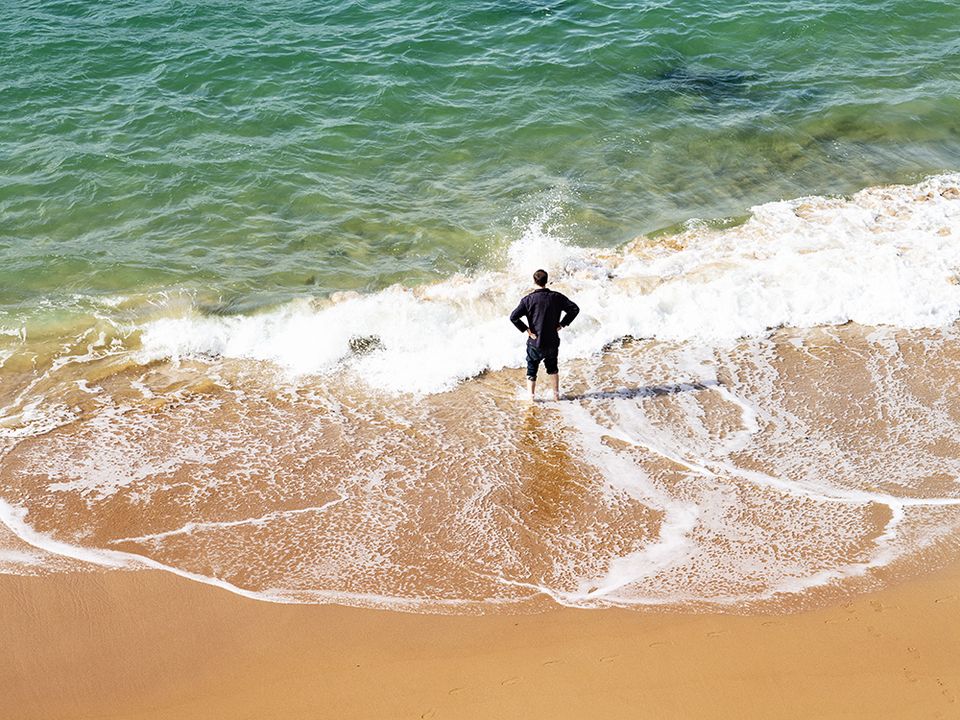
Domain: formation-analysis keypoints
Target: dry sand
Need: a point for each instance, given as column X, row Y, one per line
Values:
column 136, row 645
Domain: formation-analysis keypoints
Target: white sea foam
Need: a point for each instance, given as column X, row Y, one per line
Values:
column 18, row 557
column 887, row 256
column 15, row 519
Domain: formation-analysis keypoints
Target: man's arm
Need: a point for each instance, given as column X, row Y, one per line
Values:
column 570, row 310
column 517, row 314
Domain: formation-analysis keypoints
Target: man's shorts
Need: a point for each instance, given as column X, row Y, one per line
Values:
column 534, row 357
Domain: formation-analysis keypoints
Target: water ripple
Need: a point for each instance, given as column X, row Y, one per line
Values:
column 355, row 144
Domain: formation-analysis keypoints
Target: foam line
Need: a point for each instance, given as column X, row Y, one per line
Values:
column 673, row 545
column 15, row 519
column 190, row 527
column 799, row 488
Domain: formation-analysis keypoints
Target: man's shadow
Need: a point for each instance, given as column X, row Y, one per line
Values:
column 645, row 392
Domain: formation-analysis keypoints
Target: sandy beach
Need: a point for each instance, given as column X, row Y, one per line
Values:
column 874, row 636
column 267, row 443
column 138, row 645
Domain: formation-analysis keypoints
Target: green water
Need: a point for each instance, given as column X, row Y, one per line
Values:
column 254, row 152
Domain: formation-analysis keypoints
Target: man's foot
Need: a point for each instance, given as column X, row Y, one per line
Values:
column 554, row 381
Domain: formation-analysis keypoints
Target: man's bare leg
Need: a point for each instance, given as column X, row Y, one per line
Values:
column 532, row 387
column 554, row 383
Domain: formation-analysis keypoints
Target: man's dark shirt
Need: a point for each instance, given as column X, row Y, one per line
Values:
column 542, row 309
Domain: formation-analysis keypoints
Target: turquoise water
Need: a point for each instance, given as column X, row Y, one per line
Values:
column 252, row 153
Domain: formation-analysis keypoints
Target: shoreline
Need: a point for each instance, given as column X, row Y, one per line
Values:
column 144, row 644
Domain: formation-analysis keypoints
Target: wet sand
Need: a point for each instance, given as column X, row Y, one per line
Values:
column 811, row 462
column 137, row 645
column 837, row 449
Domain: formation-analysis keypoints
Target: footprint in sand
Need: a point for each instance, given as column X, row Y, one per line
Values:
column 945, row 692
column 552, row 662
column 455, row 691
column 716, row 633
column 510, row 681
column 946, row 598
column 428, row 714
column 908, row 674
column 771, row 623
column 608, row 658
column 659, row 643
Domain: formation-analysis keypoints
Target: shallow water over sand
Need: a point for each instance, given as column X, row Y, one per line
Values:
column 756, row 415
column 778, row 472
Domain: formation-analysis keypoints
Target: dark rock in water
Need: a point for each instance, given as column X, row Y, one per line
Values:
column 707, row 84
column 366, row 344
column 621, row 342
column 226, row 307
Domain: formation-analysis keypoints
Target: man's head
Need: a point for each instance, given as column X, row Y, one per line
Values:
column 540, row 278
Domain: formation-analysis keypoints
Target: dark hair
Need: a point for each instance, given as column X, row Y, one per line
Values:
column 540, row 278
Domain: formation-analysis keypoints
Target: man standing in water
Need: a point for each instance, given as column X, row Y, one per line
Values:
column 542, row 309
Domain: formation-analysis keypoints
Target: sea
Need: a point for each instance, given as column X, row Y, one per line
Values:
column 257, row 260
